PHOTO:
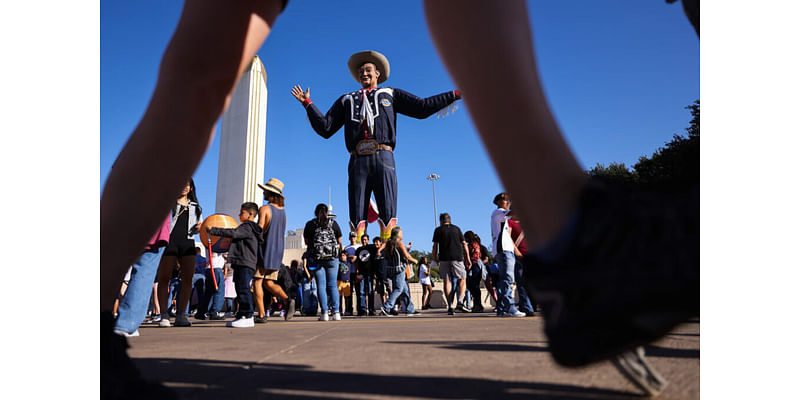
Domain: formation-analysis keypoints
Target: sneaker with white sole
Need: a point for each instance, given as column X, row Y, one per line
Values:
column 517, row 314
column 337, row 317
column 126, row 334
column 323, row 317
column 164, row 323
column 241, row 323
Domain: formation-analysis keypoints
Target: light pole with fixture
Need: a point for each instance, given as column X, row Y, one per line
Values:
column 433, row 178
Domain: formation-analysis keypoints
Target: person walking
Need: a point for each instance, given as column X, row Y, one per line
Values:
column 450, row 251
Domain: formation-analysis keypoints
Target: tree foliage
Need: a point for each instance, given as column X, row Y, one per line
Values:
column 672, row 167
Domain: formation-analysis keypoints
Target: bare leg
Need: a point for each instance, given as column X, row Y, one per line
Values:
column 275, row 289
column 187, row 273
column 165, row 268
column 258, row 296
column 213, row 43
column 490, row 39
column 156, row 306
column 448, row 290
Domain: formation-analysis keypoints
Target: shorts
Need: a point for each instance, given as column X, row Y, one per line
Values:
column 452, row 269
column 181, row 249
column 263, row 273
column 344, row 288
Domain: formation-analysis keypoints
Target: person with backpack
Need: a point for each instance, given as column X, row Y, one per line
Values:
column 394, row 267
column 324, row 240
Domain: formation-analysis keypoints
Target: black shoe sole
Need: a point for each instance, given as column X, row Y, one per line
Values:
column 629, row 275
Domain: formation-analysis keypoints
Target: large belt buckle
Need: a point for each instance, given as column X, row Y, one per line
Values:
column 367, row 146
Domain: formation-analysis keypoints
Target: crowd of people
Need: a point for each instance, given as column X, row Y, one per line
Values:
column 330, row 280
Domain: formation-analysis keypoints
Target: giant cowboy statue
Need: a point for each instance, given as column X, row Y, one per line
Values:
column 369, row 117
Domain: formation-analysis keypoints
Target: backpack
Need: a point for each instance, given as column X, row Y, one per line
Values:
column 325, row 246
column 393, row 265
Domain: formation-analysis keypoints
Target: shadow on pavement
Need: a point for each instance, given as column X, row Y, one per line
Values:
column 658, row 351
column 207, row 379
column 478, row 345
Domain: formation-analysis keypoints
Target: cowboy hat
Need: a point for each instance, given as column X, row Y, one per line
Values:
column 379, row 60
column 273, row 185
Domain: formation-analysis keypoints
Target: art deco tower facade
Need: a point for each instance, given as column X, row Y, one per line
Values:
column 242, row 142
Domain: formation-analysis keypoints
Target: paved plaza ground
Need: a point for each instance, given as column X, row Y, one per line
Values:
column 431, row 356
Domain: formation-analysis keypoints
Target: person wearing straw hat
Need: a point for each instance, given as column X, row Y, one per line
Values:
column 369, row 118
column 272, row 220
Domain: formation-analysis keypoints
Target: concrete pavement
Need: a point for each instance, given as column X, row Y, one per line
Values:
column 431, row 356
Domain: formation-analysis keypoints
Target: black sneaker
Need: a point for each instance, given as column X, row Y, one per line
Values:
column 260, row 320
column 216, row 317
column 393, row 312
column 372, row 313
column 462, row 308
column 289, row 309
column 200, row 316
column 119, row 377
column 362, row 313
column 477, row 309
column 628, row 275
column 450, row 311
column 381, row 312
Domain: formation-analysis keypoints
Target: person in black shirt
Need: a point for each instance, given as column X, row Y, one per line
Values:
column 450, row 251
column 366, row 266
column 324, row 240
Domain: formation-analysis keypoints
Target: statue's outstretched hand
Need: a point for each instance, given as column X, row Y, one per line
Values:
column 297, row 92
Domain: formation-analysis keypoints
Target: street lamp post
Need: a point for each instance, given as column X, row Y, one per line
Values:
column 433, row 178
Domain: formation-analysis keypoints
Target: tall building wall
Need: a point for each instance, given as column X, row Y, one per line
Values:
column 243, row 142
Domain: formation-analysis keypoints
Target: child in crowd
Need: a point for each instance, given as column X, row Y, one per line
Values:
column 242, row 255
column 213, row 297
column 425, row 281
column 230, row 289
column 343, row 284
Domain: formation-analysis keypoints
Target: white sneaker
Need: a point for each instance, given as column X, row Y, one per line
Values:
column 164, row 323
column 337, row 317
column 241, row 323
column 323, row 317
column 126, row 334
column 517, row 314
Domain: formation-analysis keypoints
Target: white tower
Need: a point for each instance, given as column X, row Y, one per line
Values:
column 242, row 142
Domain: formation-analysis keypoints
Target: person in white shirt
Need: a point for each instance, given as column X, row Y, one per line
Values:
column 503, row 249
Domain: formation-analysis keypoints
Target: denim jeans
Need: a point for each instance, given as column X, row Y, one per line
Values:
column 398, row 287
column 133, row 305
column 365, row 290
column 327, row 290
column 524, row 297
column 241, row 278
column 198, row 284
column 212, row 298
column 474, row 284
column 505, row 297
column 405, row 298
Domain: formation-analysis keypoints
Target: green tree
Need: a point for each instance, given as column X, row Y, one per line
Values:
column 673, row 167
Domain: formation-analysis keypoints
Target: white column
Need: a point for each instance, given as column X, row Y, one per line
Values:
column 243, row 143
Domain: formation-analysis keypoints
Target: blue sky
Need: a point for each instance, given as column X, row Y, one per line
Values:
column 617, row 74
